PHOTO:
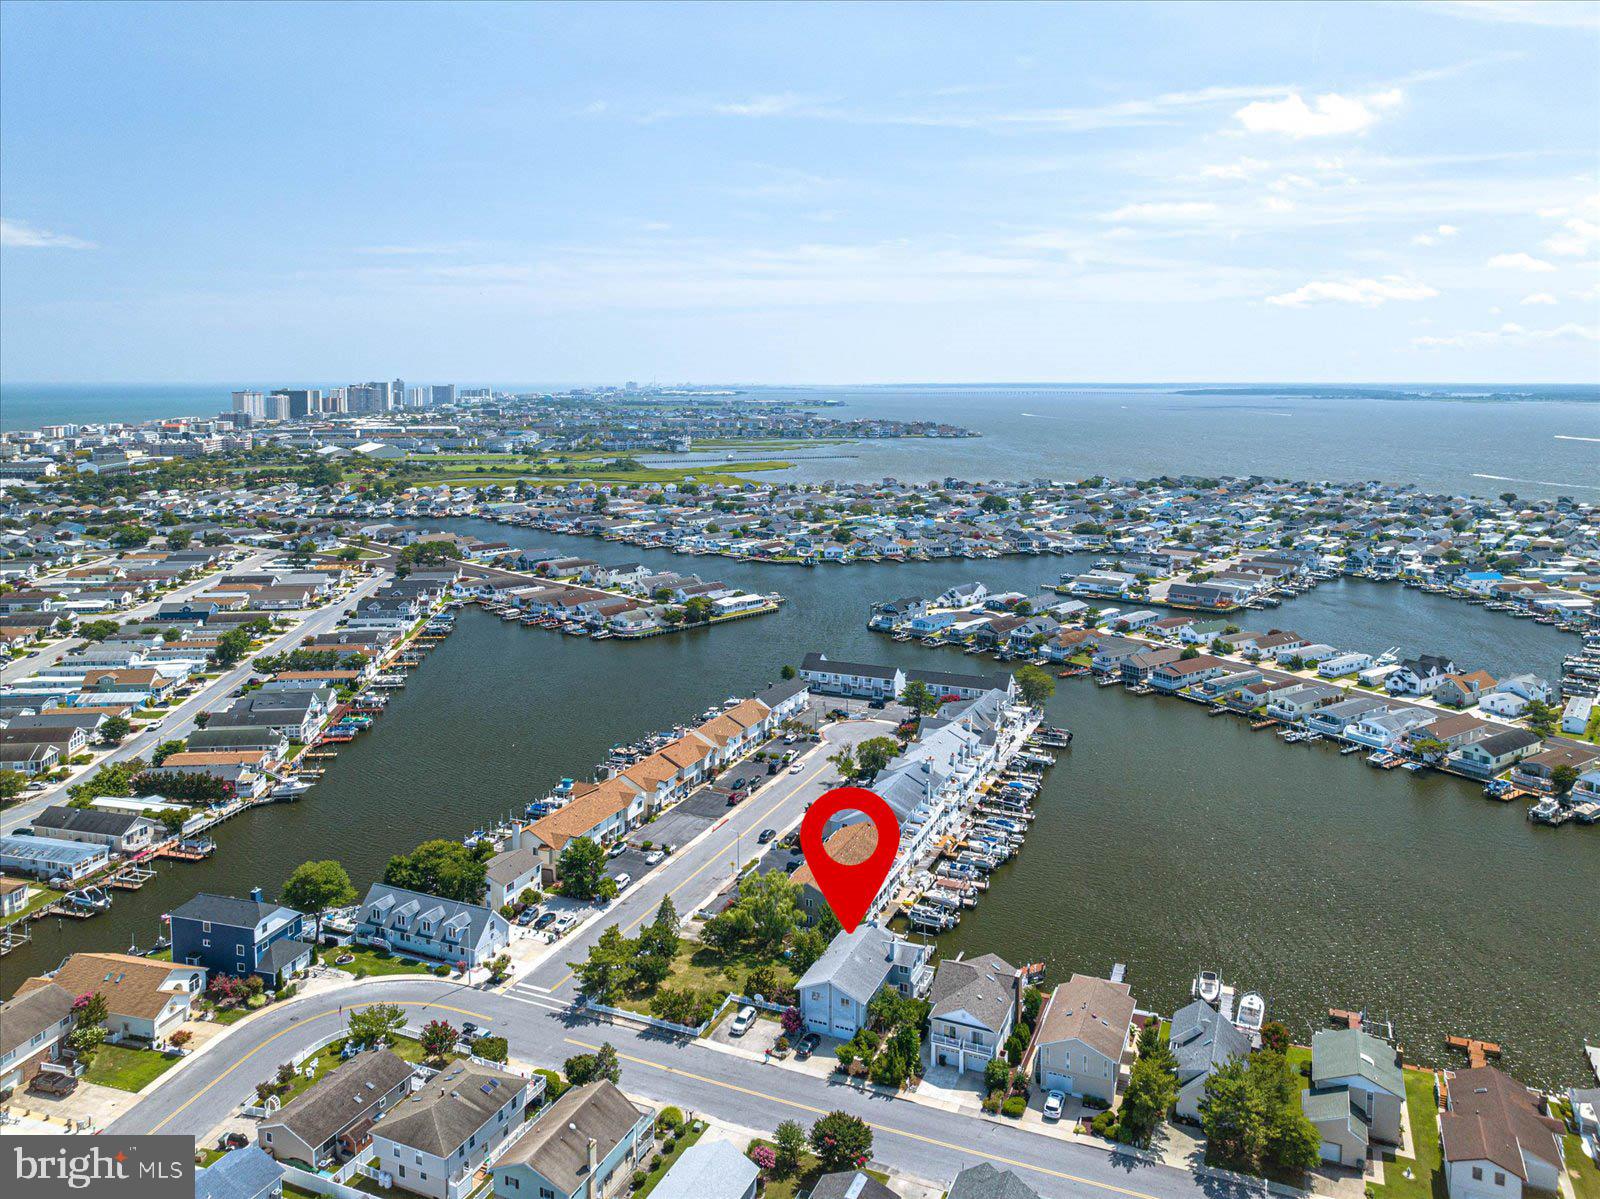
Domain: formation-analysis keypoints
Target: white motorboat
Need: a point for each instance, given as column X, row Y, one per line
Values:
column 1252, row 1012
column 1207, row 986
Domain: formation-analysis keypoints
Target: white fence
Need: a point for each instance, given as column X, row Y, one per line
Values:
column 687, row 1030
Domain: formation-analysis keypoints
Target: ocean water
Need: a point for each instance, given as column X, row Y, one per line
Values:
column 1475, row 441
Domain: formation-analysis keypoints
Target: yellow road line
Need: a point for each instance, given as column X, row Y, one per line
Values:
column 886, row 1128
column 295, row 1027
column 714, row 861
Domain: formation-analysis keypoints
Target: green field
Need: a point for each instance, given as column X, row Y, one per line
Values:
column 127, row 1069
column 1428, row 1181
column 371, row 961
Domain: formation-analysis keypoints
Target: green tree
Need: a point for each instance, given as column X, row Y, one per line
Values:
column 581, row 868
column 841, row 1141
column 919, row 697
column 790, row 1139
column 12, row 783
column 788, row 672
column 1152, row 1090
column 115, row 729
column 315, row 887
column 1253, row 1119
column 608, row 969
column 773, row 902
column 378, row 1024
column 1035, row 685
column 696, row 609
column 585, row 1068
column 440, row 867
column 232, row 647
column 165, row 750
column 97, row 630
column 874, row 755
column 1563, row 778
column 89, row 1012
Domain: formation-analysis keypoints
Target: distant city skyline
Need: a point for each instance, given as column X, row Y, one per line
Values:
column 826, row 195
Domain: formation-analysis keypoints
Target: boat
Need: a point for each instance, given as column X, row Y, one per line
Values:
column 1207, row 986
column 289, row 790
column 1252, row 1012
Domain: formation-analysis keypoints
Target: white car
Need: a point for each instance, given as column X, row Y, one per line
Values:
column 654, row 858
column 1054, row 1104
column 742, row 1020
column 623, row 880
column 797, row 768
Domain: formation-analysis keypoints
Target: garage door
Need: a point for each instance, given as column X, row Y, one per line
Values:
column 1331, row 1152
column 1055, row 1081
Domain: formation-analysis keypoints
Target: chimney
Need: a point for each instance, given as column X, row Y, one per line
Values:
column 255, row 894
column 594, row 1157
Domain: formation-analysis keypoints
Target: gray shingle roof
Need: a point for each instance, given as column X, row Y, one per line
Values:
column 708, row 1170
column 983, row 1181
column 1201, row 1040
column 25, row 1016
column 854, row 963
column 246, row 1173
column 983, row 987
column 558, row 1146
column 1349, row 1052
column 450, row 1107
column 850, row 1184
column 343, row 1097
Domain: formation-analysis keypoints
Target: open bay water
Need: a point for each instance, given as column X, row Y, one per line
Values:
column 1165, row 840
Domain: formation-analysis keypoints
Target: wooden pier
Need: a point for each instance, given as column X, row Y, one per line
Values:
column 1478, row 1052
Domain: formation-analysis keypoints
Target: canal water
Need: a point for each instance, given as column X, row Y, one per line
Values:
column 1166, row 840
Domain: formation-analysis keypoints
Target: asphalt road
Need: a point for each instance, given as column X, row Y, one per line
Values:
column 536, row 1015
column 179, row 722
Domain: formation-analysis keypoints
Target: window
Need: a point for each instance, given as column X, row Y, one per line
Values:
column 267, row 1136
column 205, row 942
column 205, row 926
column 1477, row 1173
column 239, row 949
column 546, row 1193
column 514, row 1183
column 1499, row 1179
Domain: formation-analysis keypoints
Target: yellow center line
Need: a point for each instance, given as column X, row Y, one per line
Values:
column 876, row 1127
column 296, row 1026
column 710, row 862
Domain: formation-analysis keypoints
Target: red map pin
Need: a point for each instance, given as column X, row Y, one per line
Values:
column 849, row 888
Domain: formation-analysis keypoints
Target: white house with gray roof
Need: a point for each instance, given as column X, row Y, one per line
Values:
column 835, row 992
column 425, row 926
column 434, row 1141
column 1202, row 1042
column 1357, row 1091
column 975, row 1004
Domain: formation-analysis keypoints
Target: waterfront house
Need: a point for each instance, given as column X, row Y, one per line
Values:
column 1388, row 728
column 1084, row 1031
column 32, row 1026
column 1227, row 684
column 51, row 857
column 333, row 1119
column 1507, row 705
column 1297, row 703
column 510, row 874
column 1111, row 652
column 1536, row 772
column 1343, row 664
column 975, row 1003
column 1202, row 1041
column 1495, row 754
column 1365, row 1073
column 146, row 999
column 1419, row 675
column 862, row 679
column 710, row 1170
column 1180, row 673
column 1577, row 713
column 435, row 1140
column 240, row 937
column 848, row 844
column 122, row 833
column 425, row 926
column 1452, row 731
column 1462, row 690
column 583, row 1146
column 222, row 738
column 835, row 992
column 1495, row 1140
column 1528, row 686
column 245, row 770
column 1136, row 668
column 1334, row 719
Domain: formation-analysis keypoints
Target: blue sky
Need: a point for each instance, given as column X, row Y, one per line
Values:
column 800, row 193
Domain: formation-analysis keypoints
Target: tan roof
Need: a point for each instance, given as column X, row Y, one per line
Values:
column 720, row 729
column 310, row 675
column 748, row 713
column 655, row 769
column 849, row 846
column 580, row 816
column 132, row 986
column 214, row 757
column 686, row 751
column 1091, row 1010
column 1494, row 1118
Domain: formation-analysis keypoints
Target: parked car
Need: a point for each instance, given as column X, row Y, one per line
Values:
column 544, row 921
column 527, row 916
column 623, row 880
column 232, row 1140
column 797, row 767
column 734, row 798
column 878, row 704
column 806, row 1046
column 742, row 1020
column 1054, row 1104
column 48, row 1082
column 766, row 835
column 617, row 850
column 469, row 1030
column 654, row 857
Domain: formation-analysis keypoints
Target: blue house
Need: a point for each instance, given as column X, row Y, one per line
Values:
column 585, row 1141
column 240, row 937
column 425, row 926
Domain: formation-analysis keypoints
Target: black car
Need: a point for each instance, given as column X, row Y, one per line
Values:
column 878, row 704
column 806, row 1046
column 544, row 922
column 766, row 835
column 469, row 1030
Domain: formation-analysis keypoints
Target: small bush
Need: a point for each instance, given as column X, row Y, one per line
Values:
column 1014, row 1107
column 639, row 1177
column 1105, row 1124
column 554, row 1085
column 441, row 970
column 991, row 1102
column 668, row 1145
column 670, row 1119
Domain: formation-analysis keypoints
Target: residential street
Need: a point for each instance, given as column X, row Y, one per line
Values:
column 536, row 1016
column 179, row 722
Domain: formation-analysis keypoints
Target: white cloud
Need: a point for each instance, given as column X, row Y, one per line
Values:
column 1242, row 168
column 1578, row 237
column 1181, row 210
column 1369, row 293
column 1539, row 297
column 1566, row 14
column 1519, row 262
column 1327, row 115
column 1510, row 334
column 21, row 235
column 1436, row 236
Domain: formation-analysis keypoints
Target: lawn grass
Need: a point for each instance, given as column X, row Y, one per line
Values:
column 803, row 1179
column 127, row 1069
column 702, row 968
column 1428, row 1168
column 371, row 961
column 662, row 1162
column 1298, row 1056
column 1581, row 1170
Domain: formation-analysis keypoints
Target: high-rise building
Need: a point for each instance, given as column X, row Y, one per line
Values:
column 251, row 403
column 303, row 402
column 397, row 394
column 335, row 400
column 444, row 393
column 416, row 397
column 370, row 397
column 276, row 406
